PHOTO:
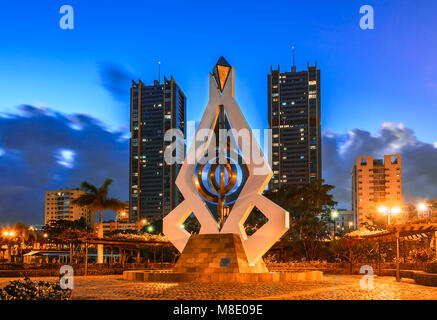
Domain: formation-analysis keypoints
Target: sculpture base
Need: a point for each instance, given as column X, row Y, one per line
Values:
column 218, row 258
column 268, row 277
column 216, row 253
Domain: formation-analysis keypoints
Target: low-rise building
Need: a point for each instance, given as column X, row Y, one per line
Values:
column 58, row 207
column 376, row 184
column 343, row 222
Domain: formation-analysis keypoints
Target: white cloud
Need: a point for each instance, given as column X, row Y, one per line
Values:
column 65, row 158
column 419, row 173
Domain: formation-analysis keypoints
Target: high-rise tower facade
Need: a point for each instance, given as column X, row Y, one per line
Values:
column 154, row 109
column 294, row 117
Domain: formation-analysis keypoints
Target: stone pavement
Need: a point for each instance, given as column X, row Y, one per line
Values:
column 333, row 287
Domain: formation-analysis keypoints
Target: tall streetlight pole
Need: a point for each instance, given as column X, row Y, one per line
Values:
column 389, row 212
column 9, row 235
column 334, row 214
column 422, row 208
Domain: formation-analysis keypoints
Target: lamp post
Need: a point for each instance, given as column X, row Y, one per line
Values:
column 389, row 212
column 122, row 216
column 9, row 235
column 422, row 208
column 334, row 214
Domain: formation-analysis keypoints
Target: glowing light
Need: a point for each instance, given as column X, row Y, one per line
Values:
column 150, row 229
column 334, row 214
column 5, row 233
column 382, row 209
column 396, row 210
column 422, row 207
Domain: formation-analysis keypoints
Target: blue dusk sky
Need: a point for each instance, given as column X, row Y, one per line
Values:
column 379, row 87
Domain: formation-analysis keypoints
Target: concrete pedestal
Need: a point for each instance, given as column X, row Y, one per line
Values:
column 216, row 253
column 218, row 258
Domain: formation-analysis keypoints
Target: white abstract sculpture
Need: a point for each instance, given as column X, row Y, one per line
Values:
column 259, row 173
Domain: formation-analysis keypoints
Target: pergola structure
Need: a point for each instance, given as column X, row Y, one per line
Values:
column 2, row 253
column 122, row 245
column 405, row 232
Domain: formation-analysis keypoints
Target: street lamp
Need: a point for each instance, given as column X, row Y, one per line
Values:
column 389, row 212
column 9, row 234
column 351, row 225
column 334, row 214
column 422, row 207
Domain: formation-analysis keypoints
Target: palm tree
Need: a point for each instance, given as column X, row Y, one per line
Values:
column 96, row 199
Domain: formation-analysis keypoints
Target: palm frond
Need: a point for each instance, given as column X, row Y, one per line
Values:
column 88, row 187
column 113, row 204
column 83, row 200
column 105, row 185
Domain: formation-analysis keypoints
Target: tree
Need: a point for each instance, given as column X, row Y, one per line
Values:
column 254, row 221
column 192, row 225
column 373, row 224
column 59, row 226
column 96, row 199
column 22, row 235
column 352, row 249
column 309, row 206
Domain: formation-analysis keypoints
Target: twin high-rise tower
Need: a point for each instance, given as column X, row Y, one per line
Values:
column 154, row 110
column 293, row 116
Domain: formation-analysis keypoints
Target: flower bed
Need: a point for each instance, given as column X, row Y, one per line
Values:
column 340, row 267
column 29, row 290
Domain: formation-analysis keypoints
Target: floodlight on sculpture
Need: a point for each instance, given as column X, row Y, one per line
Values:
column 222, row 178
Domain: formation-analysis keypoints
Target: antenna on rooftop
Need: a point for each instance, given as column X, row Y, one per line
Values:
column 159, row 71
column 293, row 68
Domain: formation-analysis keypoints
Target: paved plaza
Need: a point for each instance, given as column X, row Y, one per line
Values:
column 333, row 287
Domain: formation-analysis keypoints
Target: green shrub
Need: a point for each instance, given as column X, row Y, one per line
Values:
column 29, row 290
